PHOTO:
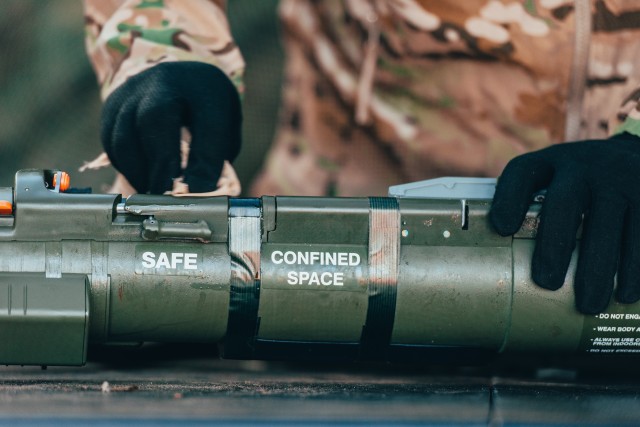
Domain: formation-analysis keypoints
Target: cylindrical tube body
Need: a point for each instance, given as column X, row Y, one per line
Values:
column 285, row 277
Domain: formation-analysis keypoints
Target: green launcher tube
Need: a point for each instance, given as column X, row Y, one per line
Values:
column 417, row 276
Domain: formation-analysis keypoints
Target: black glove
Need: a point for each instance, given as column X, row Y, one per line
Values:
column 142, row 119
column 599, row 179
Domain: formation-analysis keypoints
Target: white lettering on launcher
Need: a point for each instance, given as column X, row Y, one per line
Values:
column 315, row 278
column 173, row 260
column 315, row 258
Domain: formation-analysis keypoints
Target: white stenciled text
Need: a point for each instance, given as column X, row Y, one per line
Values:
column 315, row 258
column 172, row 260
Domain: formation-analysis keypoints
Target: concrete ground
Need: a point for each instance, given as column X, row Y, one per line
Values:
column 169, row 385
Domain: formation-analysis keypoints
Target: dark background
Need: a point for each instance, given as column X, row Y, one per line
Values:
column 49, row 101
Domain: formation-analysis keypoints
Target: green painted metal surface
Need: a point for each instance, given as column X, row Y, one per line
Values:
column 81, row 267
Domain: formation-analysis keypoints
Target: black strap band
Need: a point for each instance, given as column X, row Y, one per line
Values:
column 384, row 254
column 244, row 250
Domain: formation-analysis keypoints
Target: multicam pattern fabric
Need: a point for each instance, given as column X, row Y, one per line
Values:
column 380, row 92
column 125, row 37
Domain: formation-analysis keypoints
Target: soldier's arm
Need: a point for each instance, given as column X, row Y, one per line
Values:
column 123, row 40
column 165, row 67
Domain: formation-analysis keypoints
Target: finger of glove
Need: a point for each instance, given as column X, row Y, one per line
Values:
column 120, row 141
column 215, row 131
column 560, row 218
column 521, row 178
column 599, row 253
column 628, row 290
column 159, row 123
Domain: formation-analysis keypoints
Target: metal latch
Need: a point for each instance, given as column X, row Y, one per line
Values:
column 153, row 229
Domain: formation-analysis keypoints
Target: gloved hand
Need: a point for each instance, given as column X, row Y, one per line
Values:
column 599, row 179
column 143, row 118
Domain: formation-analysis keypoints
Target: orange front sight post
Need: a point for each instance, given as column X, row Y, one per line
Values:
column 6, row 207
column 64, row 181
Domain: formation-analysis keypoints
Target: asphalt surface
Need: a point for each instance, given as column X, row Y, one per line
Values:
column 165, row 385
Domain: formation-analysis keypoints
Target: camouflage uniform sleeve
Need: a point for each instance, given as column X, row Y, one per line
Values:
column 629, row 114
column 126, row 37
